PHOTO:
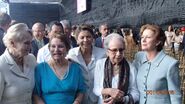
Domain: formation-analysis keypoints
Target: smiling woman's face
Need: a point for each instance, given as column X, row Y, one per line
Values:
column 57, row 49
column 85, row 39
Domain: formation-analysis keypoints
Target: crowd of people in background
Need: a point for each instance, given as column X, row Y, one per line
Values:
column 57, row 63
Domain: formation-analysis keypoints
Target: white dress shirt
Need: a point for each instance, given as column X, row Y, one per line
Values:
column 43, row 54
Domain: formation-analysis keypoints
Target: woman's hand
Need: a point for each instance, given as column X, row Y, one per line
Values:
column 37, row 100
column 115, row 94
column 108, row 100
column 76, row 102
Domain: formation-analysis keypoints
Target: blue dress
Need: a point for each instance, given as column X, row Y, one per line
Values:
column 54, row 90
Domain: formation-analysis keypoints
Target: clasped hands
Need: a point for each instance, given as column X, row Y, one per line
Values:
column 115, row 95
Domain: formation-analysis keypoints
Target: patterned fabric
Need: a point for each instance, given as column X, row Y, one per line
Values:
column 123, row 78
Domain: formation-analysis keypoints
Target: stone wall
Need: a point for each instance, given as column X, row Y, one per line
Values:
column 127, row 13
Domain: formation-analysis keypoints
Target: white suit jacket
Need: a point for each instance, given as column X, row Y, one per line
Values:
column 16, row 86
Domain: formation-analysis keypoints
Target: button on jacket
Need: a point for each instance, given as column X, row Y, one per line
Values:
column 158, row 80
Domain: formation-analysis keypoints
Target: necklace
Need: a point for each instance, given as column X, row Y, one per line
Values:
column 58, row 69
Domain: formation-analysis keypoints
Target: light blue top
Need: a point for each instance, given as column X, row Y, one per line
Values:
column 54, row 90
column 158, row 80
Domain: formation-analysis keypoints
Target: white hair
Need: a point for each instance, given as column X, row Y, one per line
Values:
column 66, row 23
column 16, row 33
column 111, row 37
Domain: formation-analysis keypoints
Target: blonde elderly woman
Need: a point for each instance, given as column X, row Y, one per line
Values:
column 114, row 76
column 17, row 66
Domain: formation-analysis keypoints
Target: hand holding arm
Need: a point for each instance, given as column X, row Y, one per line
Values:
column 114, row 93
column 79, row 98
column 37, row 100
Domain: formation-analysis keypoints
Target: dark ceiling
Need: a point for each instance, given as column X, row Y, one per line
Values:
column 29, row 1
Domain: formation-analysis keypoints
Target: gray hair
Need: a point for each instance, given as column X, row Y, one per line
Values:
column 15, row 32
column 66, row 23
column 110, row 37
column 38, row 24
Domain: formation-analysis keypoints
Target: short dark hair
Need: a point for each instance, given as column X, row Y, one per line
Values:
column 102, row 24
column 160, row 35
column 4, row 19
column 54, row 23
column 84, row 27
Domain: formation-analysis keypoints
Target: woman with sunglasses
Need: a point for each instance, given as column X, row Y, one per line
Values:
column 114, row 77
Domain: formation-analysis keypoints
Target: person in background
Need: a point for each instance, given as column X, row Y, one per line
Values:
column 129, row 41
column 114, row 76
column 17, row 66
column 183, row 41
column 73, row 29
column 158, row 78
column 177, row 39
column 39, row 39
column 118, row 30
column 44, row 53
column 13, row 22
column 5, row 21
column 59, row 81
column 103, row 28
column 169, row 43
column 67, row 31
column 86, row 55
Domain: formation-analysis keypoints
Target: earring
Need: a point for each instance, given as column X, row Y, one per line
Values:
column 158, row 43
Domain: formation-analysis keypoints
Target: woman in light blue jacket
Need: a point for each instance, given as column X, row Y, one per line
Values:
column 158, row 74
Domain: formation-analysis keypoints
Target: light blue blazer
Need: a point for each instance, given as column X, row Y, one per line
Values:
column 158, row 80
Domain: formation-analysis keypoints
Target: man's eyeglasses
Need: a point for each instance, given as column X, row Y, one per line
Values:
column 121, row 50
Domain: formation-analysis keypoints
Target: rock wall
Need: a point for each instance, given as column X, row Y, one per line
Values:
column 127, row 13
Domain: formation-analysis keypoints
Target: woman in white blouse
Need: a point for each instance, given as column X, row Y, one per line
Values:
column 114, row 77
column 86, row 55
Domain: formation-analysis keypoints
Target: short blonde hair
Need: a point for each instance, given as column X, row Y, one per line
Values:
column 160, row 35
column 16, row 33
